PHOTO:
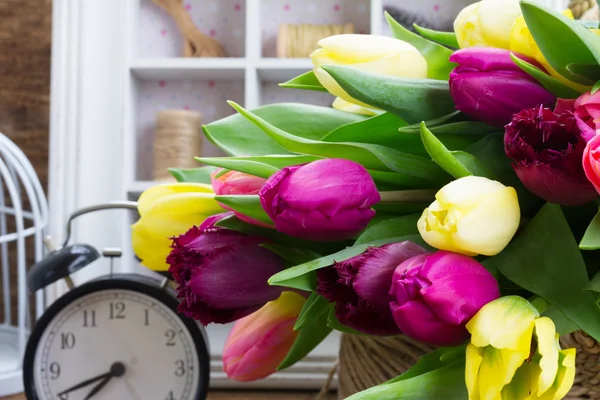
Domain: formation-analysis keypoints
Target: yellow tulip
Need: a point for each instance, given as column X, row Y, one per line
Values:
column 522, row 42
column 486, row 23
column 377, row 54
column 343, row 105
column 471, row 215
column 168, row 210
column 514, row 354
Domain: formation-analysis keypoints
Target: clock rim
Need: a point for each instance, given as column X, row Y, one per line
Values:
column 150, row 287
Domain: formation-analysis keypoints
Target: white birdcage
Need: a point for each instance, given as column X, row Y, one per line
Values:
column 23, row 220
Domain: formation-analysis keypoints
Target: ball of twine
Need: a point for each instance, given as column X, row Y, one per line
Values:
column 178, row 140
column 299, row 41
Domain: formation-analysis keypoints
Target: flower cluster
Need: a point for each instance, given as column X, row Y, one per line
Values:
column 441, row 197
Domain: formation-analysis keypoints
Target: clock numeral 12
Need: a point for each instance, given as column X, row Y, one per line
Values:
column 67, row 341
column 117, row 310
column 89, row 321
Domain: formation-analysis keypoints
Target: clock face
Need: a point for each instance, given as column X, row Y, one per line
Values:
column 116, row 344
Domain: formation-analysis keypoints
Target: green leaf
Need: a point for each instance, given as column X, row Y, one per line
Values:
column 294, row 255
column 594, row 285
column 545, row 260
column 402, row 207
column 591, row 238
column 445, row 38
column 370, row 156
column 553, row 85
column 414, row 100
column 237, row 136
column 595, row 88
column 262, row 166
column 295, row 277
column 313, row 308
column 405, row 225
column 248, row 205
column 561, row 40
column 589, row 73
column 444, row 383
column 438, row 66
column 197, row 175
column 334, row 324
column 457, row 163
column 313, row 332
column 437, row 359
column 473, row 129
column 360, row 131
column 306, row 81
column 564, row 325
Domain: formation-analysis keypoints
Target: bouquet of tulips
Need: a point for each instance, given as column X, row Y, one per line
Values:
column 450, row 195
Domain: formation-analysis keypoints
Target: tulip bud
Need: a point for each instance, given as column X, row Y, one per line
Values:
column 222, row 274
column 546, row 149
column 238, row 183
column 488, row 86
column 514, row 354
column 377, row 54
column 486, row 23
column 436, row 294
column 359, row 287
column 258, row 343
column 167, row 210
column 325, row 200
column 471, row 215
column 587, row 108
column 591, row 162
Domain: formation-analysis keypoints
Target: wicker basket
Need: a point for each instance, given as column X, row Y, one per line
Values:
column 367, row 361
column 178, row 140
column 298, row 41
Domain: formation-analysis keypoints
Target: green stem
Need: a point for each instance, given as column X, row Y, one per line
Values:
column 408, row 196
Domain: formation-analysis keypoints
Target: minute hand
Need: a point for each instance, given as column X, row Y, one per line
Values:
column 85, row 383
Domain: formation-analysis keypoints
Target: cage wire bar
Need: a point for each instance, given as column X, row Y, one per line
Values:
column 19, row 186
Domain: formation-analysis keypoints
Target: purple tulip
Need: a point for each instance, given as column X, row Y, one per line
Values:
column 546, row 148
column 222, row 274
column 325, row 200
column 359, row 287
column 436, row 294
column 488, row 86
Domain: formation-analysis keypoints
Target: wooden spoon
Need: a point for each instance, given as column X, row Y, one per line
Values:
column 196, row 44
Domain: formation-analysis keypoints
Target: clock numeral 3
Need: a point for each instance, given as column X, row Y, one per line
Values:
column 170, row 396
column 67, row 341
column 117, row 310
column 54, row 369
column 179, row 368
column 170, row 334
column 89, row 318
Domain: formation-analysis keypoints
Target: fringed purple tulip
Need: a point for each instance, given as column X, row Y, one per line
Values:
column 488, row 86
column 325, row 200
column 436, row 294
column 547, row 150
column 359, row 287
column 222, row 274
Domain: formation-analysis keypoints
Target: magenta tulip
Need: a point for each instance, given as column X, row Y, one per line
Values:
column 359, row 287
column 325, row 200
column 222, row 274
column 547, row 150
column 436, row 294
column 258, row 343
column 488, row 86
column 238, row 183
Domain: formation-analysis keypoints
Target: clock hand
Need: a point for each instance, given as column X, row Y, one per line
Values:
column 85, row 383
column 116, row 370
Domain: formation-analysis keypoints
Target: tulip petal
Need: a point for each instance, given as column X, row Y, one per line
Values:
column 489, row 227
column 519, row 387
column 149, row 197
column 343, row 105
column 466, row 27
column 496, row 17
column 474, row 357
column 505, row 323
column 547, row 347
column 497, row 370
column 466, row 193
column 566, row 373
column 356, row 48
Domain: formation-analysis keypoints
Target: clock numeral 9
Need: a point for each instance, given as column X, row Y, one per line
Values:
column 67, row 341
column 179, row 368
column 89, row 318
column 170, row 334
column 117, row 310
column 54, row 369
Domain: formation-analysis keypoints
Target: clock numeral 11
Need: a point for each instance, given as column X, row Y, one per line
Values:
column 89, row 318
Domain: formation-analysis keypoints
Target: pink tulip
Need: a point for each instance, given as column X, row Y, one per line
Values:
column 591, row 162
column 258, row 343
column 238, row 183
column 587, row 108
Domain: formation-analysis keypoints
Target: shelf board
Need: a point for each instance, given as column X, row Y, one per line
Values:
column 282, row 69
column 189, row 68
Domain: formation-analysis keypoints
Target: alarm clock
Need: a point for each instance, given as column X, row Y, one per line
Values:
column 115, row 337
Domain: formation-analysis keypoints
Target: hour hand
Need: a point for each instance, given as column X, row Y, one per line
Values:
column 85, row 383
